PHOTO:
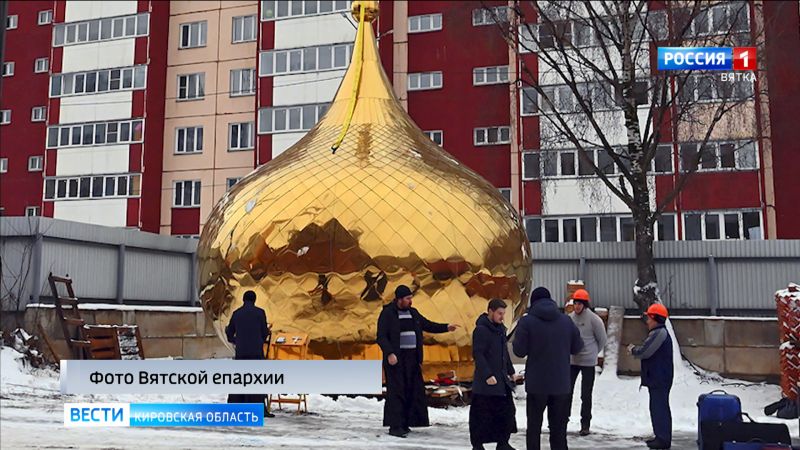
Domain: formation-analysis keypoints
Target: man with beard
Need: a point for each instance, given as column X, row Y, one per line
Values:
column 400, row 330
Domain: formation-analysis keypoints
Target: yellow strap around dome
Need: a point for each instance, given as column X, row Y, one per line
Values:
column 358, row 59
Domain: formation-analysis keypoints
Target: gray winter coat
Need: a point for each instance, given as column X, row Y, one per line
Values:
column 593, row 334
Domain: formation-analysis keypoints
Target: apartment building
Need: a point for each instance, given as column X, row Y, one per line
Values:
column 217, row 88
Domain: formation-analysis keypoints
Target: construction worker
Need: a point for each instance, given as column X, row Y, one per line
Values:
column 657, row 373
column 593, row 334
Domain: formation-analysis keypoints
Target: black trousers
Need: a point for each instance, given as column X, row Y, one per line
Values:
column 557, row 416
column 405, row 405
column 249, row 398
column 587, row 385
column 660, row 414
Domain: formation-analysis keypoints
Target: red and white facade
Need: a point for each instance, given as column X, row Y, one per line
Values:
column 450, row 67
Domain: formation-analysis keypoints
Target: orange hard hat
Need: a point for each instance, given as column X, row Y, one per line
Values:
column 657, row 309
column 581, row 294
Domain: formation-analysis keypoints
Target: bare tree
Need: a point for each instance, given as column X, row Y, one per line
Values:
column 588, row 69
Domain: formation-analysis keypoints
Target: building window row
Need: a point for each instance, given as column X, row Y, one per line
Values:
column 308, row 59
column 290, row 118
column 240, row 136
column 437, row 136
column 98, row 133
column 605, row 228
column 489, row 75
column 711, row 88
column 243, row 82
column 104, row 29
column 193, row 35
column 281, row 9
column 715, row 225
column 489, row 16
column 424, row 23
column 719, row 155
column 491, row 135
column 244, row 29
column 187, row 194
column 92, row 186
column 574, row 163
column 422, row 81
column 105, row 80
column 44, row 18
column 188, row 140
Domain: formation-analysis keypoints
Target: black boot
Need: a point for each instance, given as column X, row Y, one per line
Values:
column 657, row 443
column 398, row 432
column 504, row 446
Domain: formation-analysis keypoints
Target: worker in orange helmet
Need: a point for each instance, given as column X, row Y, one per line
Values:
column 657, row 373
column 593, row 335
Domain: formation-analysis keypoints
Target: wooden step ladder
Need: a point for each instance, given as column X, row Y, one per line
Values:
column 70, row 316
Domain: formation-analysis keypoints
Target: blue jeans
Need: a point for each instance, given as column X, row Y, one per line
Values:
column 660, row 414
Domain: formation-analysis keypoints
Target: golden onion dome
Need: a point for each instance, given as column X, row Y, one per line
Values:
column 325, row 237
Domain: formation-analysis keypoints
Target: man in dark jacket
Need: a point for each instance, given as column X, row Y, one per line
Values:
column 657, row 373
column 492, row 414
column 247, row 331
column 548, row 338
column 400, row 330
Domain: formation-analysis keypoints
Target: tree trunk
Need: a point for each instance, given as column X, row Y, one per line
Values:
column 645, row 291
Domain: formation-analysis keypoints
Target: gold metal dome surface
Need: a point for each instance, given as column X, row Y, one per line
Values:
column 325, row 238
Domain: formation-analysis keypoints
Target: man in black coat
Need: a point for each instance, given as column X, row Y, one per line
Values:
column 247, row 331
column 492, row 414
column 400, row 330
column 548, row 338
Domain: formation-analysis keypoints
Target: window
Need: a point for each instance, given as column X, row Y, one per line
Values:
column 529, row 100
column 8, row 69
column 189, row 140
column 427, row 22
column 719, row 155
column 489, row 75
column 193, row 34
column 41, row 65
column 422, row 81
column 290, row 118
column 489, row 16
column 304, row 60
column 665, row 228
column 243, row 82
column 231, row 181
column 533, row 228
column 96, row 186
column 436, row 136
column 244, row 29
column 506, row 193
column 187, row 194
column 3, row 165
column 105, row 80
column 35, row 163
column 100, row 29
column 271, row 10
column 492, row 135
column 707, row 88
column 97, row 133
column 38, row 113
column 722, row 18
column 530, row 166
column 5, row 116
column 551, row 33
column 191, row 86
column 12, row 21
column 662, row 162
column 714, row 225
column 240, row 136
column 32, row 211
column 45, row 17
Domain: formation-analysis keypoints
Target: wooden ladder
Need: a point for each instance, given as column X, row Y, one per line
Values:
column 70, row 316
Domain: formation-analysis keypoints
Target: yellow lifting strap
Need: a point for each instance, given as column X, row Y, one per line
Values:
column 358, row 59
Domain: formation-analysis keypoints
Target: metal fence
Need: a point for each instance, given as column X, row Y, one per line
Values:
column 702, row 277
column 112, row 265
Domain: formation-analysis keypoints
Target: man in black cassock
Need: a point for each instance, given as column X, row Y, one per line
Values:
column 400, row 330
column 248, row 332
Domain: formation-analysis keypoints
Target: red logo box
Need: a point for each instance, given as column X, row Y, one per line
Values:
column 744, row 58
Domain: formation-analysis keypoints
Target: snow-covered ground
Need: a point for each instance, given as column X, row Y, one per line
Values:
column 31, row 416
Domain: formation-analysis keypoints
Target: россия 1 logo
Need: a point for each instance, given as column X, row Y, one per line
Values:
column 707, row 58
